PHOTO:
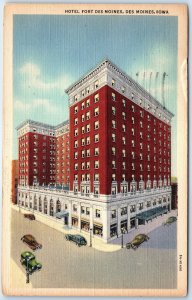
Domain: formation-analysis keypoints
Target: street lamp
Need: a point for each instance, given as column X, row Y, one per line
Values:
column 122, row 233
column 27, row 272
column 90, row 230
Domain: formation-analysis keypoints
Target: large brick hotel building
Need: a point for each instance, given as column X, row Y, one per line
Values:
column 119, row 168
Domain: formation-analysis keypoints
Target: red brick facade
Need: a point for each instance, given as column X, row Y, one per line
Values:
column 133, row 143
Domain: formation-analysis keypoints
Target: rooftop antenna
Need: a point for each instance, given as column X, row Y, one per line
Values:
column 150, row 81
column 156, row 77
column 163, row 88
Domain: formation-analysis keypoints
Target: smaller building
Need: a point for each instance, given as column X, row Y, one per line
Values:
column 174, row 188
column 15, row 177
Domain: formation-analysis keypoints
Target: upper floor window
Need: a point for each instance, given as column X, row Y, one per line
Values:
column 75, row 109
column 88, row 115
column 113, row 124
column 96, row 98
column 113, row 82
column 113, row 96
column 96, row 125
column 96, row 84
column 113, row 110
column 88, row 103
column 123, row 102
column 96, row 111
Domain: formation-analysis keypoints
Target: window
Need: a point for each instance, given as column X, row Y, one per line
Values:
column 113, row 151
column 123, row 89
column 113, row 110
column 82, row 129
column 96, row 125
column 97, row 213
column 96, row 84
column 141, row 124
column 88, row 115
column 113, row 164
column 96, row 111
column 75, row 109
column 141, row 167
column 123, row 165
column 113, row 177
column 113, row 124
column 96, row 151
column 132, row 131
column 133, row 120
column 133, row 155
column 113, row 96
column 88, row 140
column 83, row 118
column 96, row 177
column 83, row 153
column 88, row 152
column 88, row 165
column 123, row 115
column 76, row 166
column 141, row 146
column 82, row 105
column 83, row 166
column 123, row 153
column 76, row 121
column 96, row 164
column 113, row 137
column 113, row 82
column 114, row 214
column 96, row 98
column 75, row 155
column 148, row 167
column 88, row 103
column 133, row 166
column 148, row 157
column 123, row 128
column 76, row 132
column 87, row 90
column 141, row 135
column 133, row 143
column 96, row 138
column 76, row 144
column 88, row 127
column 82, row 142
column 123, row 140
column 148, row 147
column 123, row 102
column 141, row 113
column 141, row 156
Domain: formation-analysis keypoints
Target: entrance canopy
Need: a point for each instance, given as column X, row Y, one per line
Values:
column 61, row 214
column 152, row 213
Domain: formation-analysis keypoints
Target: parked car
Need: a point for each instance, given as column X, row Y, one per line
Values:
column 31, row 242
column 170, row 220
column 137, row 241
column 28, row 261
column 76, row 238
column 29, row 216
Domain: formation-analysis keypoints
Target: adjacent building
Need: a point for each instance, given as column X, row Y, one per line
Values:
column 120, row 156
column 15, row 181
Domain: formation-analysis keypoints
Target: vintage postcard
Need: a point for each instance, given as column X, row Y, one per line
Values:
column 95, row 150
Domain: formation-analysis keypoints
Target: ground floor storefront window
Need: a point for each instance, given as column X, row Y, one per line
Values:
column 113, row 230
column 132, row 222
column 124, row 225
column 98, row 229
column 85, row 225
column 74, row 221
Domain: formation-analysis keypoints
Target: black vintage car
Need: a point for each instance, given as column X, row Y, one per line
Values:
column 137, row 241
column 79, row 240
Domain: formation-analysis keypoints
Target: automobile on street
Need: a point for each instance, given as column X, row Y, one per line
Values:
column 29, row 216
column 29, row 262
column 170, row 220
column 31, row 242
column 137, row 241
column 77, row 239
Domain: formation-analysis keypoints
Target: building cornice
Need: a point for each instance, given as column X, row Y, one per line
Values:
column 108, row 70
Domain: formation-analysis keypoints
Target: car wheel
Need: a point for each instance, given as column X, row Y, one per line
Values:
column 66, row 238
column 79, row 245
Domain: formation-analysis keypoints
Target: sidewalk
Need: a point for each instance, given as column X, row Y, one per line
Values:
column 97, row 243
column 57, row 224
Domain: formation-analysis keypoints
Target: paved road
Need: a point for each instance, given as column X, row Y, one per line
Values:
column 67, row 266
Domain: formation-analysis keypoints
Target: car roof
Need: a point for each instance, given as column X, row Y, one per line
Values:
column 27, row 254
column 79, row 236
column 29, row 236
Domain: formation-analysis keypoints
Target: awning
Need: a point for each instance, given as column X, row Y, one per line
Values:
column 61, row 214
column 152, row 213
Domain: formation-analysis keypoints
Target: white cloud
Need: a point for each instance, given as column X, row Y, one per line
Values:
column 35, row 104
column 33, row 79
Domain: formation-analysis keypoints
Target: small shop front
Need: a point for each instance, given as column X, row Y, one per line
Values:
column 85, row 225
column 74, row 221
column 113, row 230
column 124, row 225
column 98, row 229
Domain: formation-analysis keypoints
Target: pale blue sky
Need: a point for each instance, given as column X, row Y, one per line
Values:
column 51, row 52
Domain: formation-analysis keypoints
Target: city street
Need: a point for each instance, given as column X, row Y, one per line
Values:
column 153, row 265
